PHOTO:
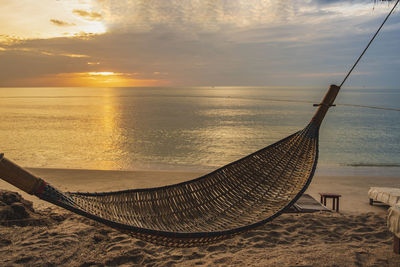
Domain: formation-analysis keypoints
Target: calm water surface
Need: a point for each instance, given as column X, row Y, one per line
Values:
column 189, row 128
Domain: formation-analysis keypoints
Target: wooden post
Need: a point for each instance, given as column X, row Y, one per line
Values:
column 326, row 103
column 17, row 176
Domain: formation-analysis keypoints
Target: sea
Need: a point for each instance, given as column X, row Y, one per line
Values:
column 194, row 128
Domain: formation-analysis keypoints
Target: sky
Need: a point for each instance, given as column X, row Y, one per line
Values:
column 106, row 43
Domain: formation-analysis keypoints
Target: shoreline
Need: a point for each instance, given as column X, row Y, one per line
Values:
column 353, row 188
column 324, row 169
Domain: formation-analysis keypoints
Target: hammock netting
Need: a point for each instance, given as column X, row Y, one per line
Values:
column 235, row 198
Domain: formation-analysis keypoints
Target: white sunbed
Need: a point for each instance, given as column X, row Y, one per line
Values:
column 387, row 195
column 393, row 223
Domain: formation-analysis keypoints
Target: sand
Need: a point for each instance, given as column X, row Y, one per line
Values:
column 357, row 236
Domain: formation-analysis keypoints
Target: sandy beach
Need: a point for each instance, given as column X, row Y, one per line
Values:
column 357, row 236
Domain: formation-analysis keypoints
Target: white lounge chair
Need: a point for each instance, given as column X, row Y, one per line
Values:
column 393, row 222
column 387, row 195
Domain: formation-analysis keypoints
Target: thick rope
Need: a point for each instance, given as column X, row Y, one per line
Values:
column 366, row 48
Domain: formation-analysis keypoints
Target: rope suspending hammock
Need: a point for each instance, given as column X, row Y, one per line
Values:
column 230, row 200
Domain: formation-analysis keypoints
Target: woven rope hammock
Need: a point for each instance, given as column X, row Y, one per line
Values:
column 235, row 198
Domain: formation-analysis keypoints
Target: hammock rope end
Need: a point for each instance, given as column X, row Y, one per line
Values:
column 19, row 177
column 326, row 103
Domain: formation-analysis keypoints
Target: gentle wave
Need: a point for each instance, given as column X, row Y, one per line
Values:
column 372, row 165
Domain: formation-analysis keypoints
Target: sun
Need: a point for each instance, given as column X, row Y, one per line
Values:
column 103, row 73
column 94, row 79
column 106, row 79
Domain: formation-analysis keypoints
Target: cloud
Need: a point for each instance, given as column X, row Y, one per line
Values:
column 213, row 15
column 87, row 14
column 310, row 45
column 328, row 2
column 331, row 74
column 206, row 15
column 61, row 23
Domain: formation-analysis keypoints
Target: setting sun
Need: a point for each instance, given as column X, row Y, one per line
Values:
column 102, row 73
column 113, row 79
column 93, row 79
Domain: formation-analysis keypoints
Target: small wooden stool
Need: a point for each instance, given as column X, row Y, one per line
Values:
column 335, row 200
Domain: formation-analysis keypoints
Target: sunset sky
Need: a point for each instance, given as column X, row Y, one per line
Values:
column 196, row 43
